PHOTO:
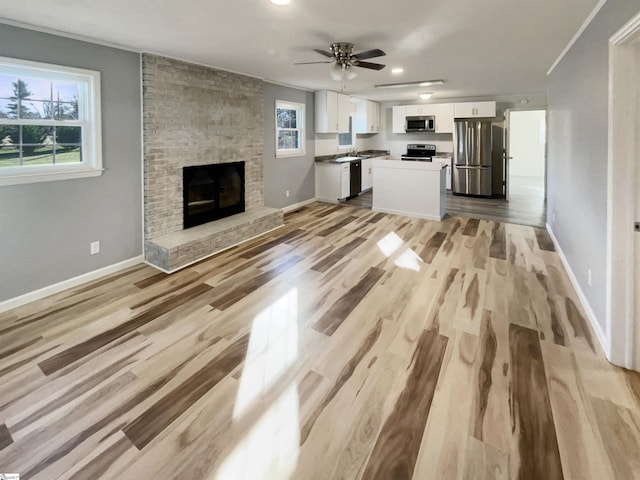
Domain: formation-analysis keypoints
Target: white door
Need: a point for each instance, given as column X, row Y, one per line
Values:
column 525, row 146
column 623, row 198
column 636, row 326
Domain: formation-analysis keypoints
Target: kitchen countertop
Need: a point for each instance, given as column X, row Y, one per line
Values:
column 408, row 164
column 361, row 156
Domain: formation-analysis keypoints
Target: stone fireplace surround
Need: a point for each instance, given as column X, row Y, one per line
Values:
column 194, row 115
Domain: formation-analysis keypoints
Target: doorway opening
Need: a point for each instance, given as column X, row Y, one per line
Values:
column 526, row 159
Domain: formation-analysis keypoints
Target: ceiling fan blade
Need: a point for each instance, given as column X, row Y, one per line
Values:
column 323, row 52
column 308, row 63
column 370, row 54
column 372, row 66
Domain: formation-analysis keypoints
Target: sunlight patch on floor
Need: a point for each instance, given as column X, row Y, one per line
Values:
column 408, row 259
column 270, row 450
column 273, row 347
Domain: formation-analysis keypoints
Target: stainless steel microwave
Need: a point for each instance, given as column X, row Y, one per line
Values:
column 420, row 124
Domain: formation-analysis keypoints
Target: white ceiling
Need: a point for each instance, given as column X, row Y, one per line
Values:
column 479, row 47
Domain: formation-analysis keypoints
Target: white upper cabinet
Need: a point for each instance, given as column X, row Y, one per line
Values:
column 474, row 110
column 399, row 115
column 332, row 112
column 420, row 110
column 367, row 117
column 444, row 117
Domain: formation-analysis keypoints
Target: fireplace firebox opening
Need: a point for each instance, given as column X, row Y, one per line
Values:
column 212, row 192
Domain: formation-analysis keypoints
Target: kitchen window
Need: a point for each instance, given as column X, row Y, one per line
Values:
column 49, row 122
column 289, row 129
column 347, row 140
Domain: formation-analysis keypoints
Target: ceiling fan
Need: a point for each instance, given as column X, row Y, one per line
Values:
column 344, row 59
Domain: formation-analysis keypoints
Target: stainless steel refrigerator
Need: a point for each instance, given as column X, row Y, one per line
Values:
column 472, row 158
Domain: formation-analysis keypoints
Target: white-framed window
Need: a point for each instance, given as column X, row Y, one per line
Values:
column 289, row 129
column 347, row 140
column 49, row 122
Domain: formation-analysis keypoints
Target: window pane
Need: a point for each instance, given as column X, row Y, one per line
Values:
column 8, row 109
column 7, row 83
column 346, row 139
column 34, row 134
column 35, row 109
column 37, row 155
column 293, row 139
column 9, row 149
column 65, row 110
column 287, row 118
column 283, row 118
column 281, row 139
column 68, row 154
column 9, row 135
column 69, row 136
column 65, row 92
column 34, row 88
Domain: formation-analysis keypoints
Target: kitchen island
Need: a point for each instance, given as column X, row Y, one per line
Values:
column 415, row 189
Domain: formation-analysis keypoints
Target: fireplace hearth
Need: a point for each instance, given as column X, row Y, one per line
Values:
column 212, row 192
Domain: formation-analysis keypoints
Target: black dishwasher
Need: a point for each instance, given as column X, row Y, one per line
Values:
column 356, row 178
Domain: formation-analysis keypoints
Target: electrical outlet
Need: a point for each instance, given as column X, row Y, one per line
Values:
column 94, row 247
column 589, row 277
column 553, row 217
column 287, row 193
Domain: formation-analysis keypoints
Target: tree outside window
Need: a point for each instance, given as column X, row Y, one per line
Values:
column 49, row 122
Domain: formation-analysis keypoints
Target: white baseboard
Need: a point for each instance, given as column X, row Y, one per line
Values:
column 295, row 206
column 70, row 283
column 602, row 338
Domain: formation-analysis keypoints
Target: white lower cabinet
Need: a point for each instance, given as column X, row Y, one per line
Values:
column 367, row 175
column 332, row 181
column 446, row 161
column 345, row 180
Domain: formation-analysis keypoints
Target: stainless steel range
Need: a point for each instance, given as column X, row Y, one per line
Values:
column 419, row 152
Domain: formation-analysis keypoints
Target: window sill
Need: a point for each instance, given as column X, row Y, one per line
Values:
column 290, row 155
column 48, row 176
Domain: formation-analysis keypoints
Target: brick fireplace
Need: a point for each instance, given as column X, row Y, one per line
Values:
column 193, row 116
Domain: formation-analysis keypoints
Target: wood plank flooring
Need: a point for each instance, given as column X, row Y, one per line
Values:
column 520, row 209
column 346, row 345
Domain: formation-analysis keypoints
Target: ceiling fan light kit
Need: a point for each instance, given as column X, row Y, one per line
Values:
column 343, row 59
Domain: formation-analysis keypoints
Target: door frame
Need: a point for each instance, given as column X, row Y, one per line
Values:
column 624, row 95
column 507, row 146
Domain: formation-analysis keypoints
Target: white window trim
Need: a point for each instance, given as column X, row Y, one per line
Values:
column 90, row 120
column 298, row 152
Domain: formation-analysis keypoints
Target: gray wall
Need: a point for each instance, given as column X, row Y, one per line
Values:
column 295, row 174
column 577, row 150
column 46, row 227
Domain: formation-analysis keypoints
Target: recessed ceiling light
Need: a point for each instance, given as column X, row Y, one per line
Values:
column 425, row 83
column 397, row 70
column 426, row 96
column 281, row 2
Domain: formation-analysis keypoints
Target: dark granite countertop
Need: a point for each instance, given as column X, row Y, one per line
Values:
column 361, row 155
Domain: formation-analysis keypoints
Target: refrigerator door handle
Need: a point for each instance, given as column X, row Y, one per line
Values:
column 472, row 167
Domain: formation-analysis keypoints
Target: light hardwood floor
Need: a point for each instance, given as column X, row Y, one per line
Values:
column 348, row 344
column 520, row 209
